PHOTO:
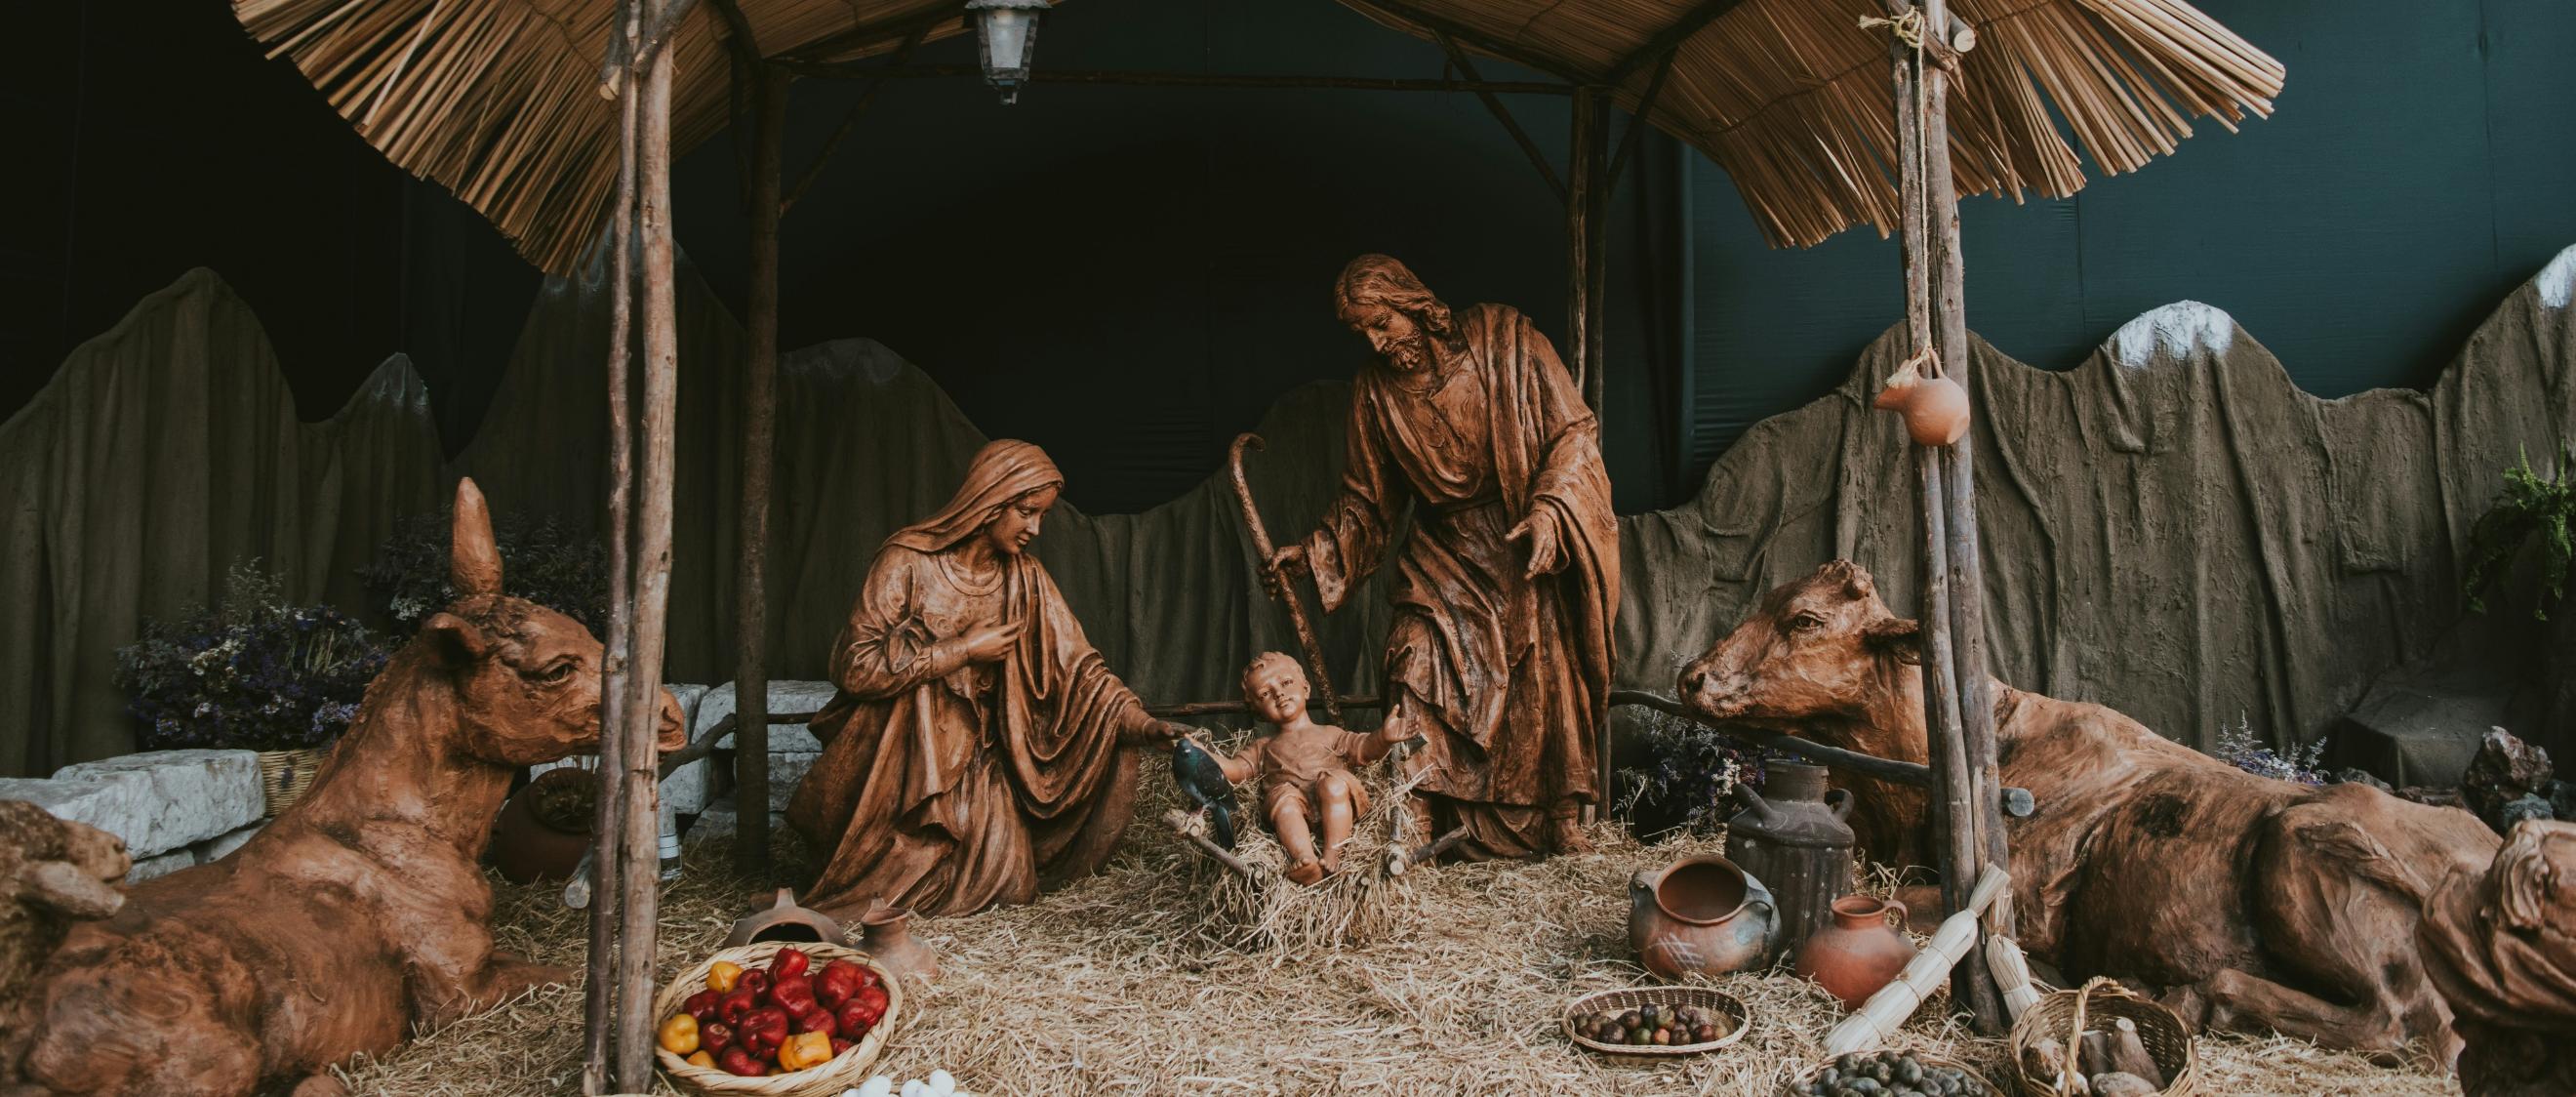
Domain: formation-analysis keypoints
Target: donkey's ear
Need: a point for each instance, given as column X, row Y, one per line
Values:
column 1898, row 636
column 473, row 557
column 455, row 640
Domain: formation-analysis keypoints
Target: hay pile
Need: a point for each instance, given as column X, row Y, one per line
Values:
column 1116, row 986
column 1277, row 916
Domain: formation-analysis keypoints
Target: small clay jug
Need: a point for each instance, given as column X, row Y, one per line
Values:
column 1935, row 409
column 1699, row 914
column 785, row 921
column 545, row 828
column 1860, row 952
column 885, row 932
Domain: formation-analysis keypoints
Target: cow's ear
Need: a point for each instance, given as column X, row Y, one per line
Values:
column 1898, row 636
column 455, row 640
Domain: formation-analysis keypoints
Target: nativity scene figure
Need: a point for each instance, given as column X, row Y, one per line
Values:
column 1499, row 653
column 977, row 747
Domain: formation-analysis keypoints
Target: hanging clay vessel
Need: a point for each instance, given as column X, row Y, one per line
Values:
column 1859, row 953
column 885, row 932
column 1935, row 409
column 1791, row 836
column 545, row 828
column 785, row 921
column 1699, row 914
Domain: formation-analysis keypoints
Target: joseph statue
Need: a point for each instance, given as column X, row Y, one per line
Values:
column 1499, row 653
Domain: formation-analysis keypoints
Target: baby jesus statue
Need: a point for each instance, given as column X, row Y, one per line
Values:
column 1305, row 767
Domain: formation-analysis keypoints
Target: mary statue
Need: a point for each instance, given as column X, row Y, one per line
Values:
column 977, row 747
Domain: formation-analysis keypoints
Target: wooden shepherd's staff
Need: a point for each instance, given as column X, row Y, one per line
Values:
column 1296, row 606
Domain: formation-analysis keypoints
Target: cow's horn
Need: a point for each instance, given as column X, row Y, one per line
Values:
column 474, row 559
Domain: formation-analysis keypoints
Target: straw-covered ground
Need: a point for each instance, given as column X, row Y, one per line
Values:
column 1116, row 985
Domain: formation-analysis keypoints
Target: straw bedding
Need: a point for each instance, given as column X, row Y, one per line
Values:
column 1118, row 984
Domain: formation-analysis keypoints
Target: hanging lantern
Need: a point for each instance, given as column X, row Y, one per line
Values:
column 1008, row 31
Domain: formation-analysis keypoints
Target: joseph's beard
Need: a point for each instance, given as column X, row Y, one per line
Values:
column 1409, row 355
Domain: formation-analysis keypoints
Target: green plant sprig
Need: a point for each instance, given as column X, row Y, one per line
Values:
column 2531, row 506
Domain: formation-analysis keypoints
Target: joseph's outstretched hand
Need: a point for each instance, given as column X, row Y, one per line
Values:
column 1539, row 531
column 1281, row 569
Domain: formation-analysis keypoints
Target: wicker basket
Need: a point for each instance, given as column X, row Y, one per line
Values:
column 2066, row 1015
column 1640, row 997
column 847, row 1069
column 1797, row 1084
column 284, row 775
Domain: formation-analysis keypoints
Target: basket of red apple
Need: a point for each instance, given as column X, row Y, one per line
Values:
column 775, row 1019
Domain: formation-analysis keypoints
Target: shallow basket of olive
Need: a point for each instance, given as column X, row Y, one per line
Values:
column 1684, row 1014
column 843, row 1071
column 1890, row 1074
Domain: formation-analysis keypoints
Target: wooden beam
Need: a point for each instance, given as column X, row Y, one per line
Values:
column 1508, row 51
column 599, row 999
column 1641, row 119
column 1130, row 78
column 1596, row 261
column 916, row 26
column 1669, row 39
column 814, row 169
column 759, row 449
column 639, row 880
column 1494, row 105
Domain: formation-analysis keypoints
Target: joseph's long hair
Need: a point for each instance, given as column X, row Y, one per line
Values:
column 1382, row 280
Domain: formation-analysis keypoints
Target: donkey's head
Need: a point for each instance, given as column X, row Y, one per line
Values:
column 527, row 678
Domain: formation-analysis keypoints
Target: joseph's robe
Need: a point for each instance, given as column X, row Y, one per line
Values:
column 1506, row 676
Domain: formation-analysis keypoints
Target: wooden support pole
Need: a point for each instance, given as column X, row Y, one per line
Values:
column 1959, row 487
column 599, row 1006
column 759, row 446
column 1596, row 247
column 1968, row 808
column 639, row 882
column 1587, row 162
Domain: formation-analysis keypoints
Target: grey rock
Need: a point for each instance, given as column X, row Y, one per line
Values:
column 2518, row 809
column 160, row 800
column 163, row 865
column 217, row 848
column 2355, row 776
column 784, row 698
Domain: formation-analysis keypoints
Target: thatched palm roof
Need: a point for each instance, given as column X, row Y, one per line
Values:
column 499, row 101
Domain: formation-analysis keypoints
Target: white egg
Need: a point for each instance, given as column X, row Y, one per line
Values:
column 879, row 1086
column 914, row 1088
column 942, row 1083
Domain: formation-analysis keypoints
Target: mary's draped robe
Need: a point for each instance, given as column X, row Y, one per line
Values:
column 948, row 786
column 1508, row 677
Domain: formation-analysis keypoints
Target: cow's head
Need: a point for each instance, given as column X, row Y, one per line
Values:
column 527, row 678
column 1819, row 647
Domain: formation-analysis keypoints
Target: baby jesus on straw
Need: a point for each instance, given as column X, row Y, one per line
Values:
column 1305, row 767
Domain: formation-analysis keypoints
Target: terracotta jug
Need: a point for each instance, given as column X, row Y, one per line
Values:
column 785, row 921
column 1860, row 952
column 1792, row 836
column 1935, row 410
column 1699, row 914
column 885, row 932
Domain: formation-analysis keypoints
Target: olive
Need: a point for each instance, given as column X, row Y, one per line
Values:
column 1704, row 1033
column 1631, row 1019
column 1654, row 1015
column 1638, row 1037
column 1908, row 1071
column 1663, row 1036
column 1848, row 1063
column 1867, row 1085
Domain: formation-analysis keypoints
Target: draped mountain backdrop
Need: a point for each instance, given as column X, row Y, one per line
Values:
column 2171, row 527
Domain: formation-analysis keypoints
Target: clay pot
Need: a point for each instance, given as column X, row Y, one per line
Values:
column 544, row 829
column 885, row 932
column 1699, row 914
column 785, row 921
column 1860, row 952
column 1935, row 410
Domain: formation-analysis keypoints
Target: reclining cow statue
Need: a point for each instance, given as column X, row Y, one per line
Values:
column 2244, row 901
column 358, row 913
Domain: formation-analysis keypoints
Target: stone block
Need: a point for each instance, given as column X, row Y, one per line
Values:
column 717, row 821
column 146, row 868
column 784, row 697
column 786, row 770
column 160, row 800
column 216, row 849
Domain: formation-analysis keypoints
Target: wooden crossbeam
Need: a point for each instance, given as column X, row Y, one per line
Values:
column 1494, row 104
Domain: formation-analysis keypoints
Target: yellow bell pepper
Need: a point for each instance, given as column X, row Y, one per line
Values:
column 805, row 1049
column 679, row 1035
column 721, row 977
column 700, row 1058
